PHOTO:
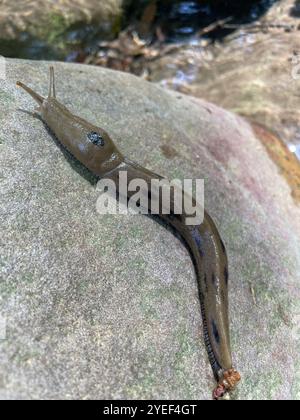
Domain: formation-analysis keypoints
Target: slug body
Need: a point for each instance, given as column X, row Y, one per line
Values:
column 93, row 147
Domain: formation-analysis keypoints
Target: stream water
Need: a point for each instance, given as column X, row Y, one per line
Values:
column 180, row 20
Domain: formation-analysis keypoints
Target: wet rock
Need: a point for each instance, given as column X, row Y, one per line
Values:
column 47, row 28
column 107, row 306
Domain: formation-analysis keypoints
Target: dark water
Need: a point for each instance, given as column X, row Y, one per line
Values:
column 179, row 20
column 175, row 20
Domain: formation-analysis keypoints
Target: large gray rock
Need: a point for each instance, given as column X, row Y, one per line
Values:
column 107, row 306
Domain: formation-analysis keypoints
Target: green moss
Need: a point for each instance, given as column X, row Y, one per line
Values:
column 101, row 233
column 151, row 298
column 2, row 262
column 181, row 362
column 22, row 222
column 21, row 356
column 158, row 157
column 52, row 29
column 116, row 26
column 82, row 287
column 296, row 382
column 266, row 293
column 159, row 294
column 180, row 366
column 149, row 309
column 57, row 27
column 233, row 231
column 120, row 241
column 177, row 173
column 27, row 278
column 138, row 264
column 5, row 97
column 265, row 386
column 143, row 387
column 136, row 232
column 7, row 288
column 187, row 349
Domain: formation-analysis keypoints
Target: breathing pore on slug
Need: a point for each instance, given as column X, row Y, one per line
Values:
column 94, row 148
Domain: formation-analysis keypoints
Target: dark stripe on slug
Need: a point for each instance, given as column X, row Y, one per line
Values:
column 213, row 279
column 223, row 247
column 197, row 238
column 205, row 282
column 223, row 296
column 216, row 332
column 226, row 275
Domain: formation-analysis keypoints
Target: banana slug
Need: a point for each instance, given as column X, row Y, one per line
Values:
column 93, row 147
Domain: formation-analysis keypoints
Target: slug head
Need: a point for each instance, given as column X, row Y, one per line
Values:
column 88, row 143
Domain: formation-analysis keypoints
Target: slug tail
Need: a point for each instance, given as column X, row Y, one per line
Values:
column 211, row 263
column 228, row 383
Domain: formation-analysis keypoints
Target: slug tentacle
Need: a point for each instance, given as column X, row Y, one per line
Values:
column 38, row 98
column 52, row 93
column 93, row 147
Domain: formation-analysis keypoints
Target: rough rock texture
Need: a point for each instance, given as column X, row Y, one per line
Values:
column 107, row 306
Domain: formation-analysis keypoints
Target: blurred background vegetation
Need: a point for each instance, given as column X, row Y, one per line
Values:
column 68, row 30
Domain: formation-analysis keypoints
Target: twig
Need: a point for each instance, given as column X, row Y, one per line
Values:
column 210, row 28
column 260, row 26
column 252, row 291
